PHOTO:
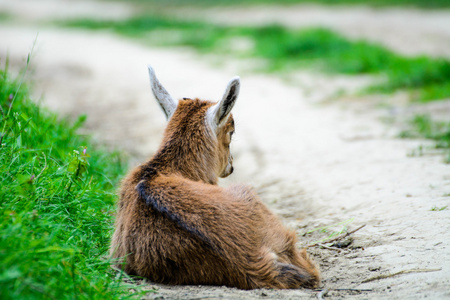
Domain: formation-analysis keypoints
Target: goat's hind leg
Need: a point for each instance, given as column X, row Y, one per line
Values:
column 269, row 272
column 295, row 268
column 291, row 277
column 300, row 268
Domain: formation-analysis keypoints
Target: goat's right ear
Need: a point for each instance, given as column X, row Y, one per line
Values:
column 218, row 114
column 164, row 99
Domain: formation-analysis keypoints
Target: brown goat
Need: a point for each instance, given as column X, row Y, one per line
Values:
column 175, row 225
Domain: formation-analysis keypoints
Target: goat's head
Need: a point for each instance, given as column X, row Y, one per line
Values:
column 199, row 132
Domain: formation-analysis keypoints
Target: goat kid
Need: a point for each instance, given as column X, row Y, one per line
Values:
column 175, row 225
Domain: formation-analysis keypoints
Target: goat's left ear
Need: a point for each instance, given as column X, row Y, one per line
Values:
column 164, row 99
column 218, row 114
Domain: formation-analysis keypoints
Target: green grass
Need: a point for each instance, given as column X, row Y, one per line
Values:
column 57, row 205
column 426, row 127
column 422, row 126
column 375, row 3
column 4, row 17
column 330, row 231
column 436, row 208
column 285, row 49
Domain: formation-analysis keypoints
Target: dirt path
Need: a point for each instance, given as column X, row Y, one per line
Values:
column 315, row 165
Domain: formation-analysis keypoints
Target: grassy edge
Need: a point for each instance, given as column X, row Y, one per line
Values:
column 58, row 202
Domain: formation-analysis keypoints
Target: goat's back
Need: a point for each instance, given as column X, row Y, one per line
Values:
column 174, row 230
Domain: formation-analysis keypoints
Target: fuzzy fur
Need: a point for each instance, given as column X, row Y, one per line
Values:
column 175, row 225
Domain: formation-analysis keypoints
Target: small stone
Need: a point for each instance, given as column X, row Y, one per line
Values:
column 343, row 244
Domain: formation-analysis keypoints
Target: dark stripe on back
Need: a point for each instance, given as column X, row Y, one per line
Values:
column 154, row 201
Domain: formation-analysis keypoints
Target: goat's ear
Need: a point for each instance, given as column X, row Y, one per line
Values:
column 164, row 99
column 218, row 114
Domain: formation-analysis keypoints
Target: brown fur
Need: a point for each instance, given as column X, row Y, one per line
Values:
column 176, row 226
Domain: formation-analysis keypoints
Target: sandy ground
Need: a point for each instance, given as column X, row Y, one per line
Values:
column 314, row 162
column 44, row 10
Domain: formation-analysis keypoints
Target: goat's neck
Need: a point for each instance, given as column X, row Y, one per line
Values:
column 190, row 160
